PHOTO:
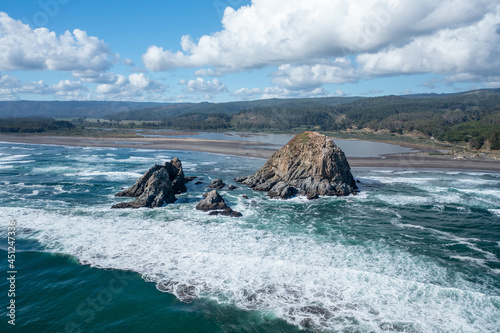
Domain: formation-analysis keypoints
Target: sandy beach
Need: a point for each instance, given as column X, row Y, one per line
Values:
column 257, row 150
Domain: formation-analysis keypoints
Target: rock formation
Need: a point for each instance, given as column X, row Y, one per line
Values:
column 216, row 205
column 310, row 164
column 157, row 187
column 217, row 184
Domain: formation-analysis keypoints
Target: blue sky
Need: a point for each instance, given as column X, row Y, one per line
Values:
column 224, row 50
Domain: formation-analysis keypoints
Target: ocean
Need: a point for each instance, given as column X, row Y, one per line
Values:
column 415, row 251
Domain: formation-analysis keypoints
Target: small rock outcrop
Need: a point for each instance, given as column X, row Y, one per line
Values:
column 157, row 187
column 216, row 205
column 310, row 164
column 217, row 184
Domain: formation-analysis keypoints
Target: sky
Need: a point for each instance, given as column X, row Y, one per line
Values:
column 227, row 50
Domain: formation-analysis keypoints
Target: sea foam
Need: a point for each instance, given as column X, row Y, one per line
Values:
column 308, row 281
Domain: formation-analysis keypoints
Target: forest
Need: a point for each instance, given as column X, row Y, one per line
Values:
column 472, row 117
column 33, row 125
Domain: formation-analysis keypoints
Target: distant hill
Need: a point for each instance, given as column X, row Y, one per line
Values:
column 70, row 109
column 472, row 116
column 145, row 110
column 159, row 113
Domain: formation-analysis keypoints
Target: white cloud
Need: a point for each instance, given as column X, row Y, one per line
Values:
column 128, row 62
column 135, row 85
column 139, row 80
column 92, row 76
column 67, row 85
column 9, row 81
column 207, row 72
column 310, row 42
column 209, row 88
column 25, row 49
column 12, row 88
column 247, row 93
column 467, row 51
column 306, row 76
column 278, row 92
column 373, row 91
column 274, row 32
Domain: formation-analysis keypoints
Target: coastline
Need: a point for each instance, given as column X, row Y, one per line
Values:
column 255, row 150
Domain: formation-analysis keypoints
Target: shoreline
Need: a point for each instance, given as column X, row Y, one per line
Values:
column 257, row 150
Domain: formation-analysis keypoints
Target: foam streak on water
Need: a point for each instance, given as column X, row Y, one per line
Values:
column 414, row 252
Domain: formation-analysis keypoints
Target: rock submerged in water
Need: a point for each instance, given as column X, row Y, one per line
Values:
column 216, row 205
column 157, row 187
column 217, row 184
column 310, row 164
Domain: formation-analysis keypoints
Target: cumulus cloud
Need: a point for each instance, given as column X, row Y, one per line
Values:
column 306, row 76
column 12, row 88
column 9, row 81
column 141, row 81
column 135, row 85
column 23, row 48
column 466, row 51
column 278, row 92
column 207, row 72
column 209, row 88
column 92, row 76
column 270, row 32
column 310, row 41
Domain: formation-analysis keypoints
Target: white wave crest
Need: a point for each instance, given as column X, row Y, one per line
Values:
column 305, row 280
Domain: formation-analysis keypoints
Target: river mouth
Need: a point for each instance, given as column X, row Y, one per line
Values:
column 351, row 148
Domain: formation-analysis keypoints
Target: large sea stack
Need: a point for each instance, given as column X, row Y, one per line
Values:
column 310, row 164
column 157, row 187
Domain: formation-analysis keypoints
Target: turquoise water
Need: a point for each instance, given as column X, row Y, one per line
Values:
column 415, row 251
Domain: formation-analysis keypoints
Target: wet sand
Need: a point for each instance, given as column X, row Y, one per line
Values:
column 258, row 150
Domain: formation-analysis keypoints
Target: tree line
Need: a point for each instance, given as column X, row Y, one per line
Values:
column 472, row 117
column 33, row 125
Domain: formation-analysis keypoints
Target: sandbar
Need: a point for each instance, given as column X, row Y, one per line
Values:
column 256, row 150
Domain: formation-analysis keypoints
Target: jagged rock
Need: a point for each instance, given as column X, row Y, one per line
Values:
column 214, row 203
column 282, row 190
column 244, row 196
column 156, row 187
column 198, row 183
column 231, row 187
column 312, row 196
column 190, row 178
column 240, row 179
column 217, row 184
column 309, row 164
column 226, row 212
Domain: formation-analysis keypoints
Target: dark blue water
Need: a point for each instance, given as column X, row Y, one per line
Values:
column 415, row 251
